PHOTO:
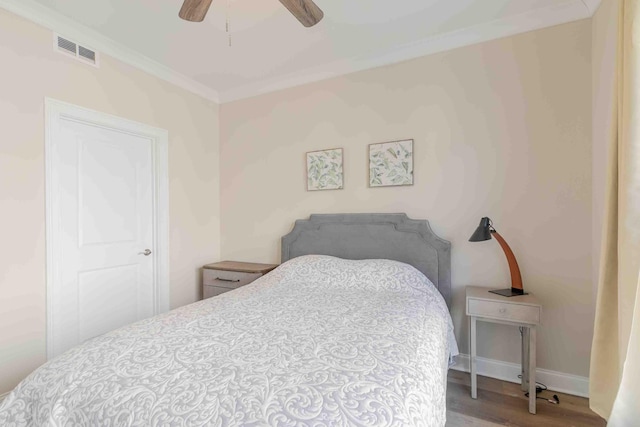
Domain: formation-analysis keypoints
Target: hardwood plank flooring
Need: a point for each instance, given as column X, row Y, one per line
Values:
column 502, row 403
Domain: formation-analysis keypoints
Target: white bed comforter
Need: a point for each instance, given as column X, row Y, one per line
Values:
column 318, row 342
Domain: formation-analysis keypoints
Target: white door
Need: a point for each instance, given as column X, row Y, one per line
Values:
column 102, row 181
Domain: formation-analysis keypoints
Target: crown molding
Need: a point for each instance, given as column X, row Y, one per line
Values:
column 592, row 5
column 568, row 11
column 59, row 23
column 533, row 20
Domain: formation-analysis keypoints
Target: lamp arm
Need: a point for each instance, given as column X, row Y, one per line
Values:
column 516, row 278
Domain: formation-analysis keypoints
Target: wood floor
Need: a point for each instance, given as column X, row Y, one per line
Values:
column 501, row 403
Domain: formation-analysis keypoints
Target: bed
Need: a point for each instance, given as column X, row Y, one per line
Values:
column 352, row 329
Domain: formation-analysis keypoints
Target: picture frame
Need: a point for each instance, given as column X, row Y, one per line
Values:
column 325, row 169
column 391, row 163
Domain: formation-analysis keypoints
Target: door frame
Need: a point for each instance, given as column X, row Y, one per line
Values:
column 55, row 112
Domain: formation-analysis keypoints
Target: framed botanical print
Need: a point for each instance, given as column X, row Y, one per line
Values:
column 391, row 163
column 324, row 170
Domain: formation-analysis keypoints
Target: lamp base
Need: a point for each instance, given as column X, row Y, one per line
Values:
column 509, row 292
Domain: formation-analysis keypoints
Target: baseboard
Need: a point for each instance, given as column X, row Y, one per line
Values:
column 557, row 381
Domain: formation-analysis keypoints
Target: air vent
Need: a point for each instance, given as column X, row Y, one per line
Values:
column 87, row 54
column 67, row 46
column 71, row 48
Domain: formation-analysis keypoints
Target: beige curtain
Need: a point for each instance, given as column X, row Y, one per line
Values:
column 615, row 359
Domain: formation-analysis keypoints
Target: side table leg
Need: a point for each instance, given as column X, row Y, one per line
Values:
column 472, row 361
column 532, row 369
column 525, row 359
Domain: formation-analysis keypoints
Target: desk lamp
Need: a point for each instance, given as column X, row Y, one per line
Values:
column 484, row 232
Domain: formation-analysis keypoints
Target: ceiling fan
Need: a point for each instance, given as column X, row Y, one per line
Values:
column 306, row 11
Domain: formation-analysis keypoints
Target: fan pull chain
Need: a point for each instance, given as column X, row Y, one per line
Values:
column 228, row 23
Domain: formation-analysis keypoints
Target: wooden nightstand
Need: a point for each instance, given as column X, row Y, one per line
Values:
column 523, row 311
column 226, row 276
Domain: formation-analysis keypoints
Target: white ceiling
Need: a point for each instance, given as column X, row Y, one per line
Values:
column 271, row 49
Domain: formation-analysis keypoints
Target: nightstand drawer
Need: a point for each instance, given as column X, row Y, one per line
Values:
column 506, row 311
column 227, row 279
column 213, row 291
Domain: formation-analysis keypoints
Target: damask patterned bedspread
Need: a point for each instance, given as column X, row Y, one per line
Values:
column 320, row 341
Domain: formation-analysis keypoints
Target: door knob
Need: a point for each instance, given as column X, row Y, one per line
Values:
column 146, row 252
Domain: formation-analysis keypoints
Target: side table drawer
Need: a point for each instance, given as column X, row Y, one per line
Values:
column 227, row 279
column 498, row 310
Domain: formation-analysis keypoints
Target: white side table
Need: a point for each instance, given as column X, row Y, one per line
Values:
column 524, row 311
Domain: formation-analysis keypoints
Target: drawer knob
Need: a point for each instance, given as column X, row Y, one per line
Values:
column 502, row 310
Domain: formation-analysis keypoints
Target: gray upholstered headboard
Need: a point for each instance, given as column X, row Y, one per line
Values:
column 374, row 236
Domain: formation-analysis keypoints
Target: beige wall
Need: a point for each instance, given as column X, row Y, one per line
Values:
column 31, row 71
column 501, row 129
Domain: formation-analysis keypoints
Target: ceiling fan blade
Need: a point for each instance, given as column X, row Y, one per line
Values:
column 307, row 12
column 194, row 10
